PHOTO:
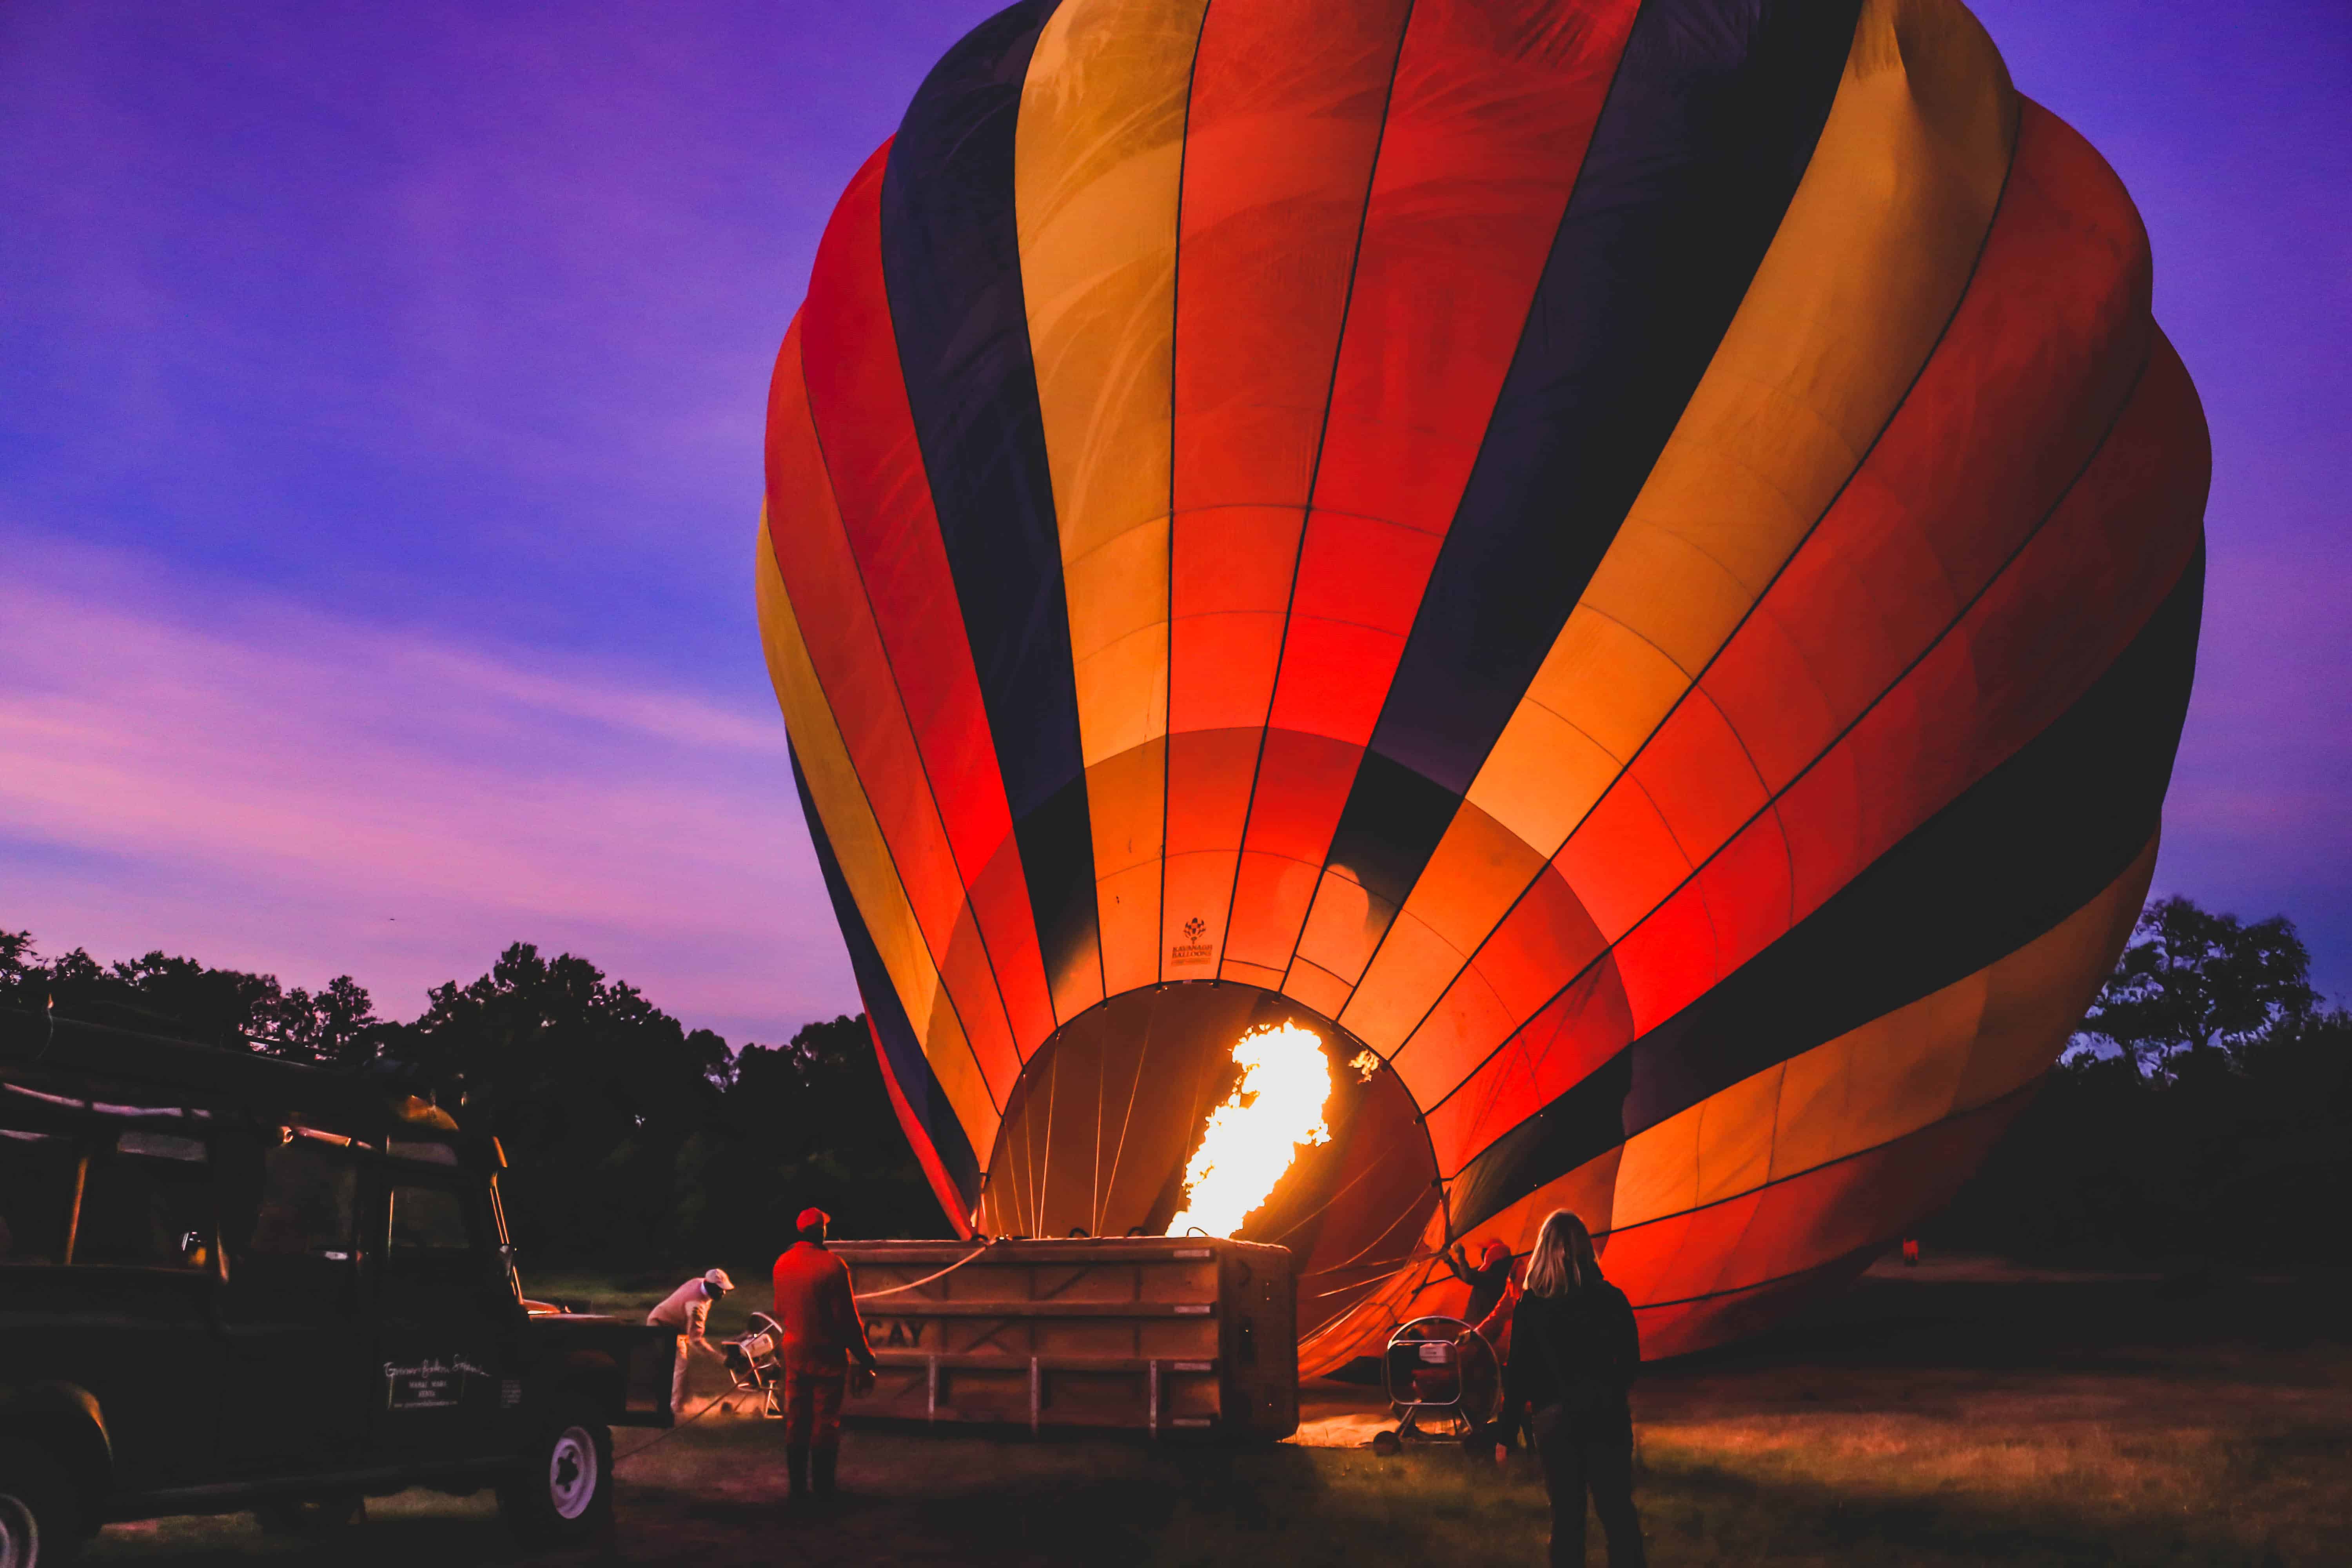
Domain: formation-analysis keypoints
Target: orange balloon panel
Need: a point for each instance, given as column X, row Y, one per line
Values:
column 1634, row 569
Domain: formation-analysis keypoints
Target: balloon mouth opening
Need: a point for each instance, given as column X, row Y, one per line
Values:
column 1106, row 1130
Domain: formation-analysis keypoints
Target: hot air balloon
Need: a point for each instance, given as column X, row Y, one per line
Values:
column 1631, row 570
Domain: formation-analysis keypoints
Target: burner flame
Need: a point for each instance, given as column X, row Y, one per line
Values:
column 1252, row 1139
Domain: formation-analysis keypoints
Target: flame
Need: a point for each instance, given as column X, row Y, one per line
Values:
column 1275, row 1111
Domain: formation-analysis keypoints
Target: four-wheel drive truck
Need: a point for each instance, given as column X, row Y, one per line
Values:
column 232, row 1283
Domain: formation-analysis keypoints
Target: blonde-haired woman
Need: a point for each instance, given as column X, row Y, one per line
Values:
column 1574, row 1351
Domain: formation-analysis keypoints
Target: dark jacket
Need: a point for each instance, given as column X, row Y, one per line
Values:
column 1580, row 1351
column 818, row 1312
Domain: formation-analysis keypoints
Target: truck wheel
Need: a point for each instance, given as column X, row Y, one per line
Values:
column 40, row 1515
column 564, row 1491
column 313, row 1519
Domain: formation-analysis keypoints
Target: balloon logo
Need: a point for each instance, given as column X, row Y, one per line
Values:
column 1631, row 570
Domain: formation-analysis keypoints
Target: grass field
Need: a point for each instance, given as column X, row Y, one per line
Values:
column 1963, row 1412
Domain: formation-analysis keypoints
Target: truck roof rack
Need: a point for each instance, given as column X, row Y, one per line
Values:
column 38, row 1050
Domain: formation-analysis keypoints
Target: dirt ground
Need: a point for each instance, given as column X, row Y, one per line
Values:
column 1966, row 1412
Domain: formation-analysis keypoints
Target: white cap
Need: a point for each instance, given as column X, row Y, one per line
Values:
column 717, row 1279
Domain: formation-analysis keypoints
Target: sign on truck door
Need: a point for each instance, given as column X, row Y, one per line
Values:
column 446, row 1316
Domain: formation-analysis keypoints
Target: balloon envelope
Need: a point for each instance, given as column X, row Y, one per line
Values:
column 1634, row 568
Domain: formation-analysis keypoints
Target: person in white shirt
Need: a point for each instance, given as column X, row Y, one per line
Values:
column 688, row 1311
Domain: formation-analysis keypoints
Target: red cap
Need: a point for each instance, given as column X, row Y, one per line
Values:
column 1493, row 1247
column 812, row 1219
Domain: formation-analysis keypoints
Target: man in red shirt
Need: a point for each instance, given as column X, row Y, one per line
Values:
column 822, row 1330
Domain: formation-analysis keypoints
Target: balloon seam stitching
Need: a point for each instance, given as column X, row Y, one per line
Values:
column 1168, row 667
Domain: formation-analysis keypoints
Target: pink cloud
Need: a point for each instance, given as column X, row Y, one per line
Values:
column 262, row 785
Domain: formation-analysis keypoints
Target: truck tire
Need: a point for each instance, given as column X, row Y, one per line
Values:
column 561, row 1493
column 40, row 1513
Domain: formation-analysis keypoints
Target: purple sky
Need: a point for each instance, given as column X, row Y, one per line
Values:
column 380, row 406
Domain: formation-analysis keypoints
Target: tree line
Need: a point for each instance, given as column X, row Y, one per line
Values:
column 2203, row 1113
column 2203, row 1110
column 630, row 1139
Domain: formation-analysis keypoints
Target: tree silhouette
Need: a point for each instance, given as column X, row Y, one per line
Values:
column 337, row 1028
column 591, row 1089
column 2219, row 1126
column 162, row 994
column 2191, row 980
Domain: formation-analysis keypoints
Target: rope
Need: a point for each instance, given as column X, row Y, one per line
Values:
column 1326, row 1203
column 1093, row 1207
column 1046, row 1175
column 713, row 1403
column 1119, row 1152
column 1406, row 1214
column 967, row 1257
